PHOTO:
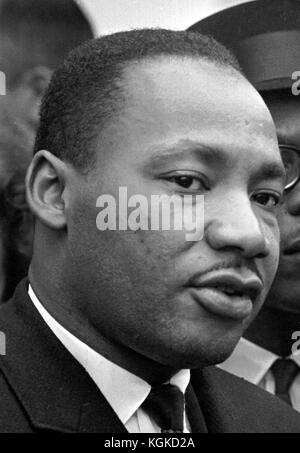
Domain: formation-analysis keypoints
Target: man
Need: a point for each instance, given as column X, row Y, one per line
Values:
column 267, row 45
column 113, row 319
column 35, row 36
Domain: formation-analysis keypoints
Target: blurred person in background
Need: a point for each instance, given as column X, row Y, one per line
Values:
column 15, row 220
column 35, row 36
column 266, row 40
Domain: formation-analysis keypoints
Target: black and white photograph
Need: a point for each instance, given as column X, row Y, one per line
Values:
column 150, row 219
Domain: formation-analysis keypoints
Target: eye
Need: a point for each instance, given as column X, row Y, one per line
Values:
column 188, row 182
column 268, row 200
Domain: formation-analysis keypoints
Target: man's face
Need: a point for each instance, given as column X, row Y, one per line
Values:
column 187, row 127
column 285, row 292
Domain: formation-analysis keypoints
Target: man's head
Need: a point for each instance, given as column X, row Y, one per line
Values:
column 285, row 292
column 35, row 36
column 158, row 112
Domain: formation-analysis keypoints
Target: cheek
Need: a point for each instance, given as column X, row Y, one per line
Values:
column 152, row 254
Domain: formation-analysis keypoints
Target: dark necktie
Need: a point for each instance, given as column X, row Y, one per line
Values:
column 165, row 405
column 284, row 372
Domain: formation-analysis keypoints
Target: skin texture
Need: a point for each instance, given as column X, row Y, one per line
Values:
column 281, row 312
column 128, row 294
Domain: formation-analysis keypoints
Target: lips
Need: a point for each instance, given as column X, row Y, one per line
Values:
column 227, row 294
column 293, row 248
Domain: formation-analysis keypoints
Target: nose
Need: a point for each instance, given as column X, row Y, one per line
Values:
column 292, row 200
column 236, row 226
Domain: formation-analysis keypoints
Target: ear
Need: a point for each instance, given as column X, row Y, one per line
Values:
column 45, row 190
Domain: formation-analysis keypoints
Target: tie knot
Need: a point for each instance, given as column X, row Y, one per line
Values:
column 284, row 372
column 165, row 404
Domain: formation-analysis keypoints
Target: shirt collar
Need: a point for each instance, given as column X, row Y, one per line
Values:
column 124, row 391
column 251, row 362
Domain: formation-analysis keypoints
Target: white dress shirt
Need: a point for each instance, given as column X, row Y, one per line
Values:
column 124, row 391
column 253, row 363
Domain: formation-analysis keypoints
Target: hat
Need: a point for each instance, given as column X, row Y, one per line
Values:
column 265, row 37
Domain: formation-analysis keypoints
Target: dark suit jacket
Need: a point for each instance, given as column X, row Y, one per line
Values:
column 43, row 388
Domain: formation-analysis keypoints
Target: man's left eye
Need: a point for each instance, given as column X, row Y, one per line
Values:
column 267, row 199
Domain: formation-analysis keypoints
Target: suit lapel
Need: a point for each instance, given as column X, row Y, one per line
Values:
column 221, row 416
column 55, row 391
column 194, row 412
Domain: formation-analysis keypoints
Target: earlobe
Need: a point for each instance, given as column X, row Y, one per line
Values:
column 45, row 190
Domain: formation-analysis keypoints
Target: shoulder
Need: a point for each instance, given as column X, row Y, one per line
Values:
column 12, row 416
column 246, row 407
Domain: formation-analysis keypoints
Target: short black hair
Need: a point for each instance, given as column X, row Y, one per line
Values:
column 38, row 33
column 86, row 91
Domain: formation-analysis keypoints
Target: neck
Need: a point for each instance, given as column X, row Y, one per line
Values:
column 79, row 325
column 273, row 329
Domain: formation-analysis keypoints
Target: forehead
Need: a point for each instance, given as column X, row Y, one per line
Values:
column 168, row 100
column 179, row 91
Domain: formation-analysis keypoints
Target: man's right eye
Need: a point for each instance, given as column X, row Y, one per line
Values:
column 188, row 182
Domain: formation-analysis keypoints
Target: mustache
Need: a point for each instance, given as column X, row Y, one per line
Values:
column 238, row 264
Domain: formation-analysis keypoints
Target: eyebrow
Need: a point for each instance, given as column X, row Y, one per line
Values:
column 210, row 155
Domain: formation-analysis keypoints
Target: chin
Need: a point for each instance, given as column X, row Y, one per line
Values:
column 219, row 353
column 200, row 354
